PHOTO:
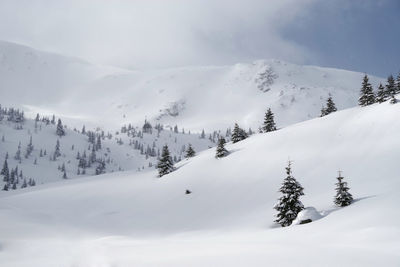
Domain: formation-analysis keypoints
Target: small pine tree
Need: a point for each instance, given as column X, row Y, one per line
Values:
column 330, row 106
column 5, row 171
column 221, row 150
column 269, row 122
column 60, row 129
column 65, row 175
column 391, row 89
column 323, row 111
column 289, row 205
column 398, row 84
column 165, row 164
column 381, row 94
column 238, row 134
column 343, row 197
column 57, row 151
column 190, row 152
column 367, row 96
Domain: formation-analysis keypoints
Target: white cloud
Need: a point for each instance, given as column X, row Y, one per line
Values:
column 156, row 33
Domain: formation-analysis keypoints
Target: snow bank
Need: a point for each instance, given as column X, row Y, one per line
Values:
column 309, row 213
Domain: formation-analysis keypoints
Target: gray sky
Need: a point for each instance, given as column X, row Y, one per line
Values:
column 166, row 33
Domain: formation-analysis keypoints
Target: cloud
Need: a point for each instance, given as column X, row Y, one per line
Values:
column 156, row 33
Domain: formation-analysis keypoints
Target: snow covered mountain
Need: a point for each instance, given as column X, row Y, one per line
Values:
column 136, row 219
column 196, row 98
column 30, row 147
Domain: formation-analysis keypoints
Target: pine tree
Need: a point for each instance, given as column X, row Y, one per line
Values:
column 330, row 106
column 203, row 135
column 367, row 96
column 343, row 197
column 391, row 87
column 5, row 171
column 269, row 123
column 165, row 164
column 289, row 205
column 101, row 167
column 323, row 111
column 65, row 175
column 221, row 150
column 57, row 152
column 381, row 94
column 60, row 129
column 238, row 134
column 18, row 153
column 398, row 84
column 98, row 143
column 190, row 152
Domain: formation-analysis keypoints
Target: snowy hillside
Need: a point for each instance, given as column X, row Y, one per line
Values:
column 197, row 98
column 136, row 219
column 30, row 147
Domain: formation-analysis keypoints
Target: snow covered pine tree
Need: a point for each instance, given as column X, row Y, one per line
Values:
column 269, row 123
column 289, row 205
column 367, row 96
column 60, row 129
column 330, row 107
column 343, row 197
column 165, row 164
column 221, row 150
column 190, row 152
column 381, row 94
column 238, row 134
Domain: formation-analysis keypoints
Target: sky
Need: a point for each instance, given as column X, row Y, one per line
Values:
column 360, row 35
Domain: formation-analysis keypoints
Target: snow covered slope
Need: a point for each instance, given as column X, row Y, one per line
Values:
column 32, row 77
column 212, row 98
column 127, row 150
column 136, row 219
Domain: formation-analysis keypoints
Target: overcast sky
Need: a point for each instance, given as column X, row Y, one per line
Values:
column 361, row 35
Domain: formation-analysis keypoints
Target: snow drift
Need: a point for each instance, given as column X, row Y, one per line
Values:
column 136, row 219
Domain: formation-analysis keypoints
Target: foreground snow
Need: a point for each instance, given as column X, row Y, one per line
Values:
column 136, row 219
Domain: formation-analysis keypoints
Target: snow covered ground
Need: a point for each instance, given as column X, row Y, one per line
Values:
column 136, row 219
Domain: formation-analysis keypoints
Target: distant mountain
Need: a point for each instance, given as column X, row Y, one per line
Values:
column 192, row 97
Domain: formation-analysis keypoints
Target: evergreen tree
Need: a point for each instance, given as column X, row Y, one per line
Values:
column 330, row 106
column 323, row 111
column 343, row 197
column 60, row 129
column 289, row 205
column 18, row 153
column 367, row 96
column 57, row 152
column 221, row 150
column 190, row 152
column 5, row 188
column 381, row 94
column 269, row 123
column 101, row 167
column 238, row 134
column 5, row 171
column 391, row 89
column 398, row 84
column 98, row 143
column 203, row 135
column 165, row 164
column 65, row 175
